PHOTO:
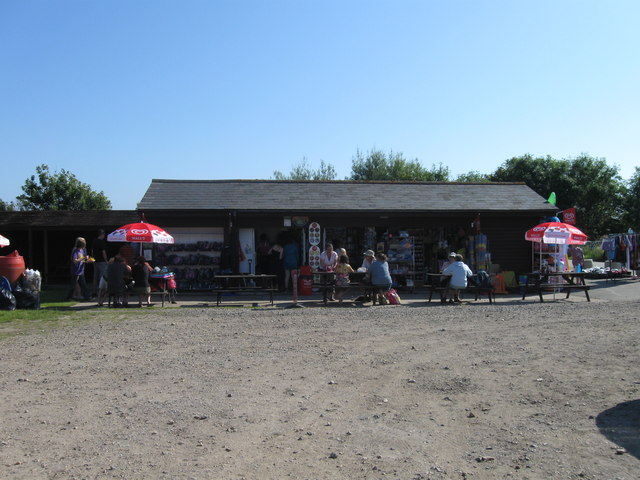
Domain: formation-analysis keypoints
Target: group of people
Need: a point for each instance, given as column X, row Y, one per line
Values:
column 115, row 277
column 279, row 258
column 375, row 267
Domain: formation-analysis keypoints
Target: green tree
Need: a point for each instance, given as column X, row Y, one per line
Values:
column 587, row 183
column 304, row 171
column 376, row 165
column 473, row 177
column 632, row 202
column 59, row 191
column 7, row 206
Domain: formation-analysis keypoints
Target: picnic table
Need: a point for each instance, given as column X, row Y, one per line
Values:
column 439, row 283
column 541, row 282
column 240, row 283
column 325, row 282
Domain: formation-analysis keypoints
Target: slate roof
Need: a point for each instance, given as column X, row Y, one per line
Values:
column 68, row 218
column 344, row 196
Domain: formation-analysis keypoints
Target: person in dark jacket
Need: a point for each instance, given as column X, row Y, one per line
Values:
column 117, row 274
column 140, row 273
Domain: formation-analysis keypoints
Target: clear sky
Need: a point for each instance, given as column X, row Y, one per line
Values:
column 122, row 91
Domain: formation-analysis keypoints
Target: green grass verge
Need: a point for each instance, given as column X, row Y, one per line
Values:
column 56, row 312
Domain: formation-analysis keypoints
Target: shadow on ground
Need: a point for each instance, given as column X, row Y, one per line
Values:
column 621, row 425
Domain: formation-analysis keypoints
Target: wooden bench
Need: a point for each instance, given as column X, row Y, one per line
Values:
column 441, row 289
column 490, row 292
column 541, row 286
column 368, row 290
column 248, row 290
column 566, row 287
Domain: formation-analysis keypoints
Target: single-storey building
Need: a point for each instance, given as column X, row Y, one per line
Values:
column 219, row 224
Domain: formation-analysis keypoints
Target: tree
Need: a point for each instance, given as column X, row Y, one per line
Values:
column 632, row 202
column 377, row 165
column 7, row 206
column 59, row 191
column 473, row 177
column 303, row 171
column 587, row 183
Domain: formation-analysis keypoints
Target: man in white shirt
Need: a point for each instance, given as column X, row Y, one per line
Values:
column 368, row 259
column 459, row 272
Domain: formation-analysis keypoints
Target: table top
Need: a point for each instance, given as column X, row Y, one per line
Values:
column 556, row 274
column 247, row 276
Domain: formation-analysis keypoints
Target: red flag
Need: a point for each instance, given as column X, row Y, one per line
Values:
column 569, row 216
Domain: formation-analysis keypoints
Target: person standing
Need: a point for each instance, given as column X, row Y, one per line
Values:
column 78, row 261
column 290, row 260
column 264, row 247
column 577, row 257
column 99, row 253
column 276, row 267
column 140, row 274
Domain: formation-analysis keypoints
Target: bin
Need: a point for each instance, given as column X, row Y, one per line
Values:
column 305, row 281
column 12, row 267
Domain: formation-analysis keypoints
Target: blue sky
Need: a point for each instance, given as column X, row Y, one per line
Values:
column 122, row 91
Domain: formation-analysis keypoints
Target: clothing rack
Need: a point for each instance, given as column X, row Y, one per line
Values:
column 623, row 248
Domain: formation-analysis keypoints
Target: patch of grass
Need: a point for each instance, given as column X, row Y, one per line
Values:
column 56, row 312
column 596, row 254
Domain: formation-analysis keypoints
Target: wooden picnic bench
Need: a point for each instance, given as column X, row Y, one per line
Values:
column 439, row 283
column 244, row 284
column 541, row 282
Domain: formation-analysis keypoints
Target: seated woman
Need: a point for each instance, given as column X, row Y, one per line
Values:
column 459, row 272
column 380, row 276
column 117, row 274
column 140, row 273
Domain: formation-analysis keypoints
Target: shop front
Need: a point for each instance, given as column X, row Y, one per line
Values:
column 245, row 223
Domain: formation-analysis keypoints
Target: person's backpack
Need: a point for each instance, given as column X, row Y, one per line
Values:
column 484, row 279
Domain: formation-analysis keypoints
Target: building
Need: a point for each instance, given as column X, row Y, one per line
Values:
column 217, row 224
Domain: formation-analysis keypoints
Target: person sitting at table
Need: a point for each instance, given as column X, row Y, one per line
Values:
column 459, row 272
column 380, row 276
column 328, row 259
column 117, row 274
column 368, row 259
column 140, row 273
column 342, row 277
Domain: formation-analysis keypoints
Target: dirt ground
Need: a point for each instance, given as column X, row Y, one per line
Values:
column 514, row 390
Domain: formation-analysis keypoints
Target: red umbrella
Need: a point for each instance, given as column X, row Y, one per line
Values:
column 557, row 233
column 4, row 241
column 140, row 232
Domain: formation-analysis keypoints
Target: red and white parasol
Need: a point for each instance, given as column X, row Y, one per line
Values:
column 556, row 233
column 4, row 241
column 141, row 232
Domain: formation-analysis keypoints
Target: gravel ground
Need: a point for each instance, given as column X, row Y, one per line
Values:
column 512, row 390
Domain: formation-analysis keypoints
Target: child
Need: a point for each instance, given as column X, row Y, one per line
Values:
column 102, row 285
column 343, row 269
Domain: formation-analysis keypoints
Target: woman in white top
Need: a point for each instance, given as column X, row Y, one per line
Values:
column 328, row 259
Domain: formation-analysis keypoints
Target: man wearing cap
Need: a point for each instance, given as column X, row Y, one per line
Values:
column 450, row 260
column 368, row 259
